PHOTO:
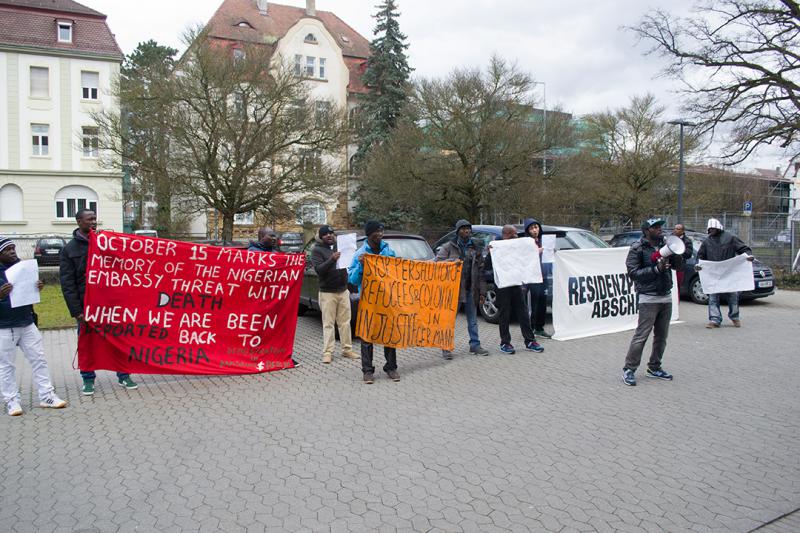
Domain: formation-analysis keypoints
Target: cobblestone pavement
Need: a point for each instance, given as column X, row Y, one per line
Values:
column 525, row 442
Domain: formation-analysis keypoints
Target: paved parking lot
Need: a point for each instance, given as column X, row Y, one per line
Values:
column 546, row 442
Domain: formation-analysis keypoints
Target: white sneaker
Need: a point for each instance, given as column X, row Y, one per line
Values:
column 52, row 401
column 14, row 408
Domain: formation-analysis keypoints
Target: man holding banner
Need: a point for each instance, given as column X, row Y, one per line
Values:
column 649, row 266
column 374, row 244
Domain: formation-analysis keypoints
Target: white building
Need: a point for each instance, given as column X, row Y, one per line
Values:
column 57, row 62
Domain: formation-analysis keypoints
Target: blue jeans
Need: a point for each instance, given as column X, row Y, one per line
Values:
column 472, row 321
column 714, row 313
column 89, row 374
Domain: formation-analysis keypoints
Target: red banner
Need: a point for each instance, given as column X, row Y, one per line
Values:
column 156, row 306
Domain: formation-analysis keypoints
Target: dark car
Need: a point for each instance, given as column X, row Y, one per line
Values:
column 566, row 239
column 239, row 245
column 405, row 245
column 290, row 242
column 47, row 250
column 762, row 274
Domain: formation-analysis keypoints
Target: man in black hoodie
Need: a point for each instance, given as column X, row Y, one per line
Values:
column 334, row 298
column 72, row 273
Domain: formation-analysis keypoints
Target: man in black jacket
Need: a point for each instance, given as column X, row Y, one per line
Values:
column 720, row 246
column 72, row 273
column 334, row 298
column 651, row 274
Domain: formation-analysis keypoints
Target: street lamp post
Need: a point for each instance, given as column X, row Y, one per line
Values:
column 681, row 169
column 544, row 122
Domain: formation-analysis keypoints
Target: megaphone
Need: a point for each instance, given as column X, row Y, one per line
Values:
column 674, row 246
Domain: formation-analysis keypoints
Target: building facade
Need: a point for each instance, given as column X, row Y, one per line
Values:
column 58, row 61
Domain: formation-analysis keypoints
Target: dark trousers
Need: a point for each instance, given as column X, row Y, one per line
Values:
column 510, row 303
column 538, row 305
column 651, row 317
column 367, row 350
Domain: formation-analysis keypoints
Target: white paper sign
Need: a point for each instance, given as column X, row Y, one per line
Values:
column 593, row 295
column 731, row 275
column 346, row 245
column 548, row 248
column 515, row 262
column 24, row 276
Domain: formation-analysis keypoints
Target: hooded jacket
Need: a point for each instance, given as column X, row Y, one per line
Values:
column 722, row 246
column 256, row 246
column 527, row 223
column 72, row 272
column 13, row 317
column 471, row 253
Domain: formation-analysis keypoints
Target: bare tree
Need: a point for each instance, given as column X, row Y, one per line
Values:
column 740, row 61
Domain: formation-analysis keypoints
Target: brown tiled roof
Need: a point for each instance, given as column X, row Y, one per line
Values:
column 33, row 23
column 278, row 20
column 356, row 66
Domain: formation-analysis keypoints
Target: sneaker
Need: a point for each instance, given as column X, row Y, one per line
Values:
column 128, row 383
column 507, row 348
column 369, row 378
column 88, row 387
column 712, row 325
column 659, row 373
column 737, row 323
column 479, row 350
column 447, row 354
column 350, row 355
column 53, row 402
column 327, row 358
column 534, row 346
column 542, row 334
column 393, row 375
column 295, row 363
column 628, row 378
column 14, row 408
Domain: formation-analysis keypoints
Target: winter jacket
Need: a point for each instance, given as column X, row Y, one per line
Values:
column 644, row 272
column 471, row 253
column 256, row 246
column 721, row 247
column 356, row 270
column 331, row 279
column 13, row 317
column 687, row 242
column 546, row 267
column 72, row 272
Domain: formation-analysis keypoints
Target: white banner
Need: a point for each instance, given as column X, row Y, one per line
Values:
column 515, row 262
column 593, row 295
column 731, row 275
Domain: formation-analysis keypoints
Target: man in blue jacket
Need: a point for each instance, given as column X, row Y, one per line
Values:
column 17, row 328
column 374, row 244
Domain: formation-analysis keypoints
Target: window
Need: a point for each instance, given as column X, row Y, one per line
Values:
column 10, row 203
column 41, row 139
column 298, row 65
column 244, row 219
column 322, row 68
column 311, row 38
column 72, row 199
column 64, row 32
column 89, row 83
column 238, row 55
column 312, row 211
column 238, row 105
column 91, row 142
column 311, row 66
column 310, row 162
column 40, row 82
column 323, row 113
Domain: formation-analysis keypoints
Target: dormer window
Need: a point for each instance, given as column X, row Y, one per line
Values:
column 64, row 31
column 311, row 38
column 244, row 24
column 344, row 39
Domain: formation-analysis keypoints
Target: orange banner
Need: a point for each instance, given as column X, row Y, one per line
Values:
column 408, row 303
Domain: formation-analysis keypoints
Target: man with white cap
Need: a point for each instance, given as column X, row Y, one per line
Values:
column 719, row 246
column 18, row 328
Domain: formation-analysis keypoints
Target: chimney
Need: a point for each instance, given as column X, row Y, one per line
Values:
column 262, row 6
column 311, row 8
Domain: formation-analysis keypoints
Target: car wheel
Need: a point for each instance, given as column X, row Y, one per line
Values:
column 696, row 292
column 489, row 307
column 302, row 309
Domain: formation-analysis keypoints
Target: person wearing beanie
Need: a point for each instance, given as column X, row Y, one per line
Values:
column 472, row 290
column 18, row 328
column 72, row 273
column 373, row 244
column 538, row 296
column 334, row 298
column 720, row 246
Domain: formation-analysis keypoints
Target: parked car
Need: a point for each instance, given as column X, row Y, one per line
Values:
column 566, row 239
column 784, row 236
column 227, row 244
column 146, row 233
column 625, row 239
column 290, row 242
column 47, row 250
column 405, row 245
column 763, row 276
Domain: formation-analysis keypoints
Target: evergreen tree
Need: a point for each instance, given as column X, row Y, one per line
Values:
column 387, row 76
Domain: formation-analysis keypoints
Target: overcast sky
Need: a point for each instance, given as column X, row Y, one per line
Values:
column 578, row 48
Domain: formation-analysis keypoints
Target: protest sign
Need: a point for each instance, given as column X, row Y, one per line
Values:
column 732, row 275
column 346, row 245
column 593, row 295
column 24, row 276
column 548, row 248
column 408, row 303
column 155, row 306
column 515, row 262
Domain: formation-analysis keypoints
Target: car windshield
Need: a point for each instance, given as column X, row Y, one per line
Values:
column 51, row 242
column 585, row 239
column 292, row 237
column 408, row 248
